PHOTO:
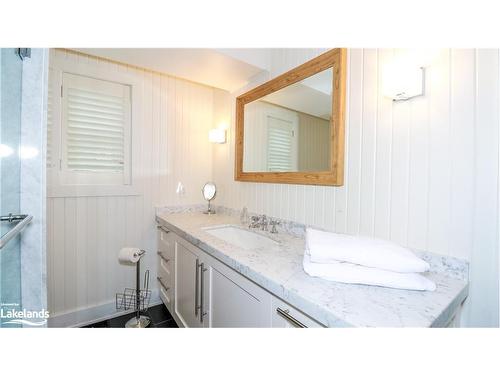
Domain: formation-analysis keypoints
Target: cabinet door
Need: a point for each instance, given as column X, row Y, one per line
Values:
column 186, row 286
column 232, row 300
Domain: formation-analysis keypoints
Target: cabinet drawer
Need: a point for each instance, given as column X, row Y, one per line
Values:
column 165, row 278
column 166, row 287
column 166, row 251
column 166, row 254
column 166, row 241
column 285, row 316
column 166, row 293
column 166, row 262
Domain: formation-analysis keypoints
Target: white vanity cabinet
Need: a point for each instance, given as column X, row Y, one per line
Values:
column 166, row 261
column 210, row 294
column 187, row 295
column 233, row 300
column 200, row 291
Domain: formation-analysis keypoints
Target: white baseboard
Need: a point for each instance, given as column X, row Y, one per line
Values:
column 93, row 314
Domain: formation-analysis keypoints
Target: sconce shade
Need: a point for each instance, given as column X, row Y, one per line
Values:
column 403, row 83
column 217, row 136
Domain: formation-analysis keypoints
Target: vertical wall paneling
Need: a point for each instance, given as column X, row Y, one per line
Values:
column 85, row 233
column 418, row 167
column 484, row 257
column 400, row 169
column 383, row 152
column 368, row 142
column 423, row 173
column 438, row 93
column 462, row 120
column 354, row 141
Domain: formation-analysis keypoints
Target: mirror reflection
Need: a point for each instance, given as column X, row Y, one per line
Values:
column 289, row 129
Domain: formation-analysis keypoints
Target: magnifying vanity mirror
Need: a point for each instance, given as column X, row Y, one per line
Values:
column 291, row 129
column 209, row 192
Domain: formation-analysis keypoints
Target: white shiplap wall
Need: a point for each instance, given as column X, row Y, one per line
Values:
column 85, row 233
column 423, row 173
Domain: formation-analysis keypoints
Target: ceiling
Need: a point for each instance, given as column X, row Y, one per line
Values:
column 227, row 69
column 312, row 95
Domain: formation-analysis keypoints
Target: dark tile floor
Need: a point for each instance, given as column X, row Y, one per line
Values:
column 160, row 318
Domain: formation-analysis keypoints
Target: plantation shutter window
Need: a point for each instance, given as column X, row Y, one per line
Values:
column 281, row 145
column 96, row 116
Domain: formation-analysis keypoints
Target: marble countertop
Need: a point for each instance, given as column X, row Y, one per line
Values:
column 279, row 270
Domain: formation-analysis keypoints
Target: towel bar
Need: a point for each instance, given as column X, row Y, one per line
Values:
column 23, row 220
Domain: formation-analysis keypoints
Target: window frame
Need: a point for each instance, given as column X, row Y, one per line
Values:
column 58, row 186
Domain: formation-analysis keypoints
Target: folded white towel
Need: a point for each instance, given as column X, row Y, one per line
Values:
column 355, row 274
column 326, row 247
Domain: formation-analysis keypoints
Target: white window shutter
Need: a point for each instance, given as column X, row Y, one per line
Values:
column 96, row 129
column 281, row 151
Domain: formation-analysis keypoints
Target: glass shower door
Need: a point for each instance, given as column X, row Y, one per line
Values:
column 11, row 67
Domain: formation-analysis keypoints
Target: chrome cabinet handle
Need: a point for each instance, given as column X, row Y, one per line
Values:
column 161, row 283
column 202, row 291
column 286, row 314
column 162, row 229
column 163, row 257
column 196, row 281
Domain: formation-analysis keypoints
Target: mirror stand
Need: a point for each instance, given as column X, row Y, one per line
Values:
column 209, row 192
column 210, row 210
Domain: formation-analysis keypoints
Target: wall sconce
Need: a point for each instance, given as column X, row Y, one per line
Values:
column 403, row 82
column 217, row 136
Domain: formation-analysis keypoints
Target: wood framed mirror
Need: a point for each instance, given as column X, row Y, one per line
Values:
column 291, row 128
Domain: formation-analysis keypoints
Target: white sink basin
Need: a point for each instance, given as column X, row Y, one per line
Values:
column 240, row 237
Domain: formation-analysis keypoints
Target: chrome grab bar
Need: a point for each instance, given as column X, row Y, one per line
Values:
column 23, row 220
column 286, row 314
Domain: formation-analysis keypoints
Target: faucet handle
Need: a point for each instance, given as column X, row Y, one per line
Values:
column 273, row 224
column 254, row 221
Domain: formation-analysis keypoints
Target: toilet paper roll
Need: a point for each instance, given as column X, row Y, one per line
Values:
column 130, row 255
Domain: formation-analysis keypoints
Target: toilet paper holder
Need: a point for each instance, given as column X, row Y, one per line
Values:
column 137, row 299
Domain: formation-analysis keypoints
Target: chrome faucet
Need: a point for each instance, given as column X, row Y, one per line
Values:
column 260, row 221
column 263, row 222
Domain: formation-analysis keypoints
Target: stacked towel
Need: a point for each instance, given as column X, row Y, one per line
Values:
column 358, row 260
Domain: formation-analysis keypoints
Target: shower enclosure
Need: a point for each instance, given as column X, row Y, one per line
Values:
column 11, row 69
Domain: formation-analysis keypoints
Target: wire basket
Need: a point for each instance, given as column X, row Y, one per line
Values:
column 128, row 300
